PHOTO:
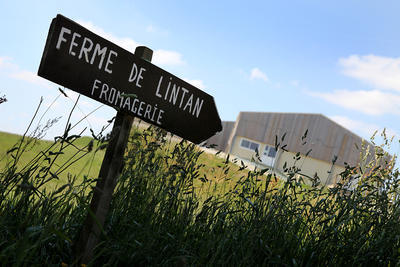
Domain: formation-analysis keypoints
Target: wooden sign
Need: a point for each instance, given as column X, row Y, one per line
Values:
column 78, row 59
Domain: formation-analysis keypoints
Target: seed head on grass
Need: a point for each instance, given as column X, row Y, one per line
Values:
column 3, row 99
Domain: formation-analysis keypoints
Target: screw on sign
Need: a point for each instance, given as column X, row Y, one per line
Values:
column 82, row 61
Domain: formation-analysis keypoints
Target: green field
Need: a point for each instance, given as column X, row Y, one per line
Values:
column 222, row 173
column 88, row 163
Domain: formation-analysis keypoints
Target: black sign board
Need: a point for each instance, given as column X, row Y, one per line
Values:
column 78, row 59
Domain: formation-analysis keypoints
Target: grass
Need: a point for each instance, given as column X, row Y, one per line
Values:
column 174, row 205
column 215, row 168
column 89, row 165
column 31, row 149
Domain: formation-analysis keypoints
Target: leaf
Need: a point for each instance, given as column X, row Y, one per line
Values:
column 51, row 153
column 249, row 201
column 59, row 190
column 305, row 135
column 12, row 149
column 207, row 200
column 111, row 120
column 67, row 131
column 62, row 92
column 72, row 137
column 53, row 175
column 227, row 159
column 226, row 171
column 204, row 178
column 61, row 235
column 90, row 146
column 243, row 166
column 283, row 137
column 34, row 229
column 356, row 146
column 101, row 147
column 93, row 135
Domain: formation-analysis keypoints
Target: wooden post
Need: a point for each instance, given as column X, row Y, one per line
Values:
column 111, row 168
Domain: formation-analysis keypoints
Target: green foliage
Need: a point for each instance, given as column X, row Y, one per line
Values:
column 172, row 206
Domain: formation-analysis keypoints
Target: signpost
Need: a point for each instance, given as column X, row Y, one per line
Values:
column 90, row 65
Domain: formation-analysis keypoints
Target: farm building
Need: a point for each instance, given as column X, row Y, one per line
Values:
column 317, row 139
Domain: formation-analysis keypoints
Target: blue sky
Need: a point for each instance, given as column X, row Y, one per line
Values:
column 338, row 58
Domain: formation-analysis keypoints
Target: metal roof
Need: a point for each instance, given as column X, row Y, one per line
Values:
column 325, row 137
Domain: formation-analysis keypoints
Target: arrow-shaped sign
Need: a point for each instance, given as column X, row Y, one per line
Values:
column 78, row 59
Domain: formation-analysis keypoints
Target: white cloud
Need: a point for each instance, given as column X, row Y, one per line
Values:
column 197, row 83
column 372, row 102
column 160, row 56
column 150, row 28
column 30, row 77
column 127, row 43
column 295, row 83
column 166, row 57
column 5, row 64
column 14, row 71
column 381, row 72
column 256, row 73
column 156, row 30
column 364, row 129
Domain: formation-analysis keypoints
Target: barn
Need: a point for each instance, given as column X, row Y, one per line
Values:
column 278, row 139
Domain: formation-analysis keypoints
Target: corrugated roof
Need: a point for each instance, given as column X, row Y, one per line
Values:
column 325, row 137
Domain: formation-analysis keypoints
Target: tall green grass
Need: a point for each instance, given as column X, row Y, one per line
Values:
column 166, row 210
